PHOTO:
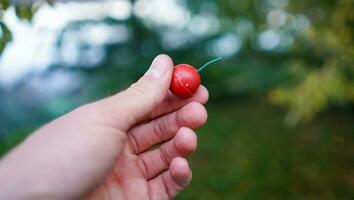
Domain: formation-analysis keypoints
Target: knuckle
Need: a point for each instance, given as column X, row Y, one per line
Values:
column 161, row 129
column 145, row 89
column 142, row 88
column 158, row 129
column 164, row 156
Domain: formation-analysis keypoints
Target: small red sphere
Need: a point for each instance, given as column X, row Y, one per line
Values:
column 185, row 81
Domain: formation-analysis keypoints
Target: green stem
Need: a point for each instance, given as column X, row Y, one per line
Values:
column 208, row 63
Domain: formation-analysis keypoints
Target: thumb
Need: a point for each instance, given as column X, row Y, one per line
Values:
column 138, row 101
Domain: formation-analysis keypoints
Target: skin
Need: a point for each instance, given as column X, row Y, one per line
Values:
column 103, row 150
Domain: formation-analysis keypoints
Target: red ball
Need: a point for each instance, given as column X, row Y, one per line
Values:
column 185, row 81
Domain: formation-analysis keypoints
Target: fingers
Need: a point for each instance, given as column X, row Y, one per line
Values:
column 138, row 101
column 164, row 128
column 156, row 161
column 172, row 102
column 170, row 183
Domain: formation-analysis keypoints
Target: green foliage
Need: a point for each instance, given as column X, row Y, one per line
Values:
column 319, row 90
column 24, row 12
column 310, row 76
column 5, row 36
column 4, row 4
column 327, row 73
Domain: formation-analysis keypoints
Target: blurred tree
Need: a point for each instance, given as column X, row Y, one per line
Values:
column 301, row 53
column 323, row 61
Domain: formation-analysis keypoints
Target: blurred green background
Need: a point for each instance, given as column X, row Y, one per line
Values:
column 281, row 109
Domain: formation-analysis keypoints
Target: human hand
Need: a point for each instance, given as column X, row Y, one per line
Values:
column 103, row 150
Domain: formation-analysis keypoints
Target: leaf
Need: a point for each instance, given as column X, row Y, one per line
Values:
column 6, row 36
column 4, row 4
column 24, row 12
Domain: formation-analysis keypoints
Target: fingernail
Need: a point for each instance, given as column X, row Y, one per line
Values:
column 158, row 67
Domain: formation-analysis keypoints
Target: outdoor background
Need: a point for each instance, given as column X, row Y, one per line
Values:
column 281, row 109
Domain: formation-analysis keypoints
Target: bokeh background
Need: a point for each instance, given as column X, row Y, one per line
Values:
column 281, row 109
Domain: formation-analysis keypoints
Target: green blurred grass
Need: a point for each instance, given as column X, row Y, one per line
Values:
column 247, row 152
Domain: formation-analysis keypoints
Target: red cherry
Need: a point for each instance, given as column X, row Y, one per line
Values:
column 185, row 81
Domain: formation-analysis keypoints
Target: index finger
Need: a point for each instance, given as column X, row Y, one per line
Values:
column 172, row 103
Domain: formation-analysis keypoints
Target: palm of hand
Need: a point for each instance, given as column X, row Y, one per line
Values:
column 160, row 173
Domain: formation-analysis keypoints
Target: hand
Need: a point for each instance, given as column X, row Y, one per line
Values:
column 104, row 150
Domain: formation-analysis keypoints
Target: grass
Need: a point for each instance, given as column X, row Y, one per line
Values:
column 247, row 152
